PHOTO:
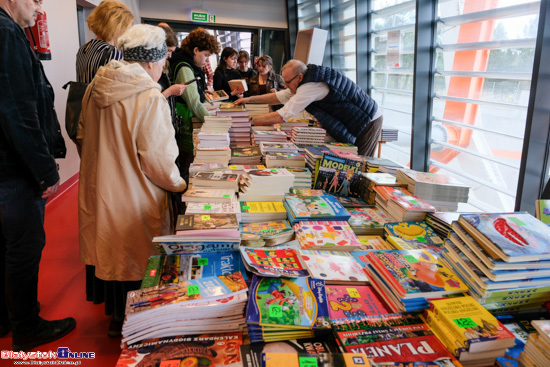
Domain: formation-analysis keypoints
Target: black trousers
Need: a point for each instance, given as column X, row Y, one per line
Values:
column 367, row 141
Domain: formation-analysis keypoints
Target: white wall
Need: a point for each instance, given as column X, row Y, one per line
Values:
column 262, row 13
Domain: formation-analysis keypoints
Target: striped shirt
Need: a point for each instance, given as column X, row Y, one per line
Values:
column 89, row 57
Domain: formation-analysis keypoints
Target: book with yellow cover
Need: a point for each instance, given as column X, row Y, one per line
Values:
column 472, row 325
column 318, row 360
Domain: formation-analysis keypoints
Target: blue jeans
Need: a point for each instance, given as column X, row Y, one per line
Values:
column 22, row 239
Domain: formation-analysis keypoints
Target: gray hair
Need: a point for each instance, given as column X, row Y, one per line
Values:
column 297, row 66
column 144, row 43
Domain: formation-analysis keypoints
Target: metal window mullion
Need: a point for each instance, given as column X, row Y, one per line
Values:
column 534, row 157
column 362, row 62
column 424, row 64
column 386, row 108
column 292, row 16
column 492, row 14
column 489, row 45
column 479, row 102
column 477, row 128
column 325, row 23
column 476, row 154
column 485, row 74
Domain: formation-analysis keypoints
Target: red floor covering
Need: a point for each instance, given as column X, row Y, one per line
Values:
column 61, row 288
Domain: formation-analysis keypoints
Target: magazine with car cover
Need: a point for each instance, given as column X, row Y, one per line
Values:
column 293, row 303
column 512, row 237
column 163, row 270
column 274, row 262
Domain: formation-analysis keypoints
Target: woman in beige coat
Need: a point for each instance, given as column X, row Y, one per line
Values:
column 127, row 168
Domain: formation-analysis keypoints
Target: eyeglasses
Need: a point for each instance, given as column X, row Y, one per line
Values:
column 290, row 81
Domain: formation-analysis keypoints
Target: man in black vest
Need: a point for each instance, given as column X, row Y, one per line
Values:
column 341, row 106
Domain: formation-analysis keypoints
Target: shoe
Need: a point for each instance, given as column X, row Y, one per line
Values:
column 115, row 329
column 47, row 332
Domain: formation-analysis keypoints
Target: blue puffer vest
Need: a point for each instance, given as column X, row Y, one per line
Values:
column 346, row 110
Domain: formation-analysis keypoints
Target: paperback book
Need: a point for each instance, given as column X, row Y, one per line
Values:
column 322, row 207
column 274, row 262
column 334, row 267
column 416, row 230
column 267, row 234
column 339, row 174
column 348, row 303
column 326, row 235
column 368, row 220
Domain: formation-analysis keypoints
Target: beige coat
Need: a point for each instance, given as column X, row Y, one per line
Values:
column 127, row 166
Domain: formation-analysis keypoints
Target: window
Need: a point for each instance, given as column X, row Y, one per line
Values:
column 308, row 14
column 483, row 64
column 342, row 37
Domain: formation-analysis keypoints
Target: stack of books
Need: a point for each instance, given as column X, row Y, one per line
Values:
column 326, row 235
column 206, row 208
column 308, row 135
column 220, row 155
column 216, row 180
column 256, row 109
column 246, row 155
column 385, row 165
column 213, row 141
column 368, row 220
column 348, row 147
column 287, row 127
column 187, row 307
column 273, row 148
column 496, row 253
column 208, row 195
column 468, row 330
column 196, row 167
column 313, row 156
column 273, row 160
column 265, row 185
column 286, row 308
column 442, row 191
column 389, row 134
column 239, row 132
column 269, row 136
column 384, row 193
column 314, row 208
column 200, row 226
column 266, row 234
column 261, row 211
column 368, row 180
column 302, row 177
column 537, row 348
column 408, row 208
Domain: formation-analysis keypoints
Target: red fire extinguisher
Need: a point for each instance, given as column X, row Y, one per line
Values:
column 39, row 38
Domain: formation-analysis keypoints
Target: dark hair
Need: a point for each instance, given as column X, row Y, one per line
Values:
column 171, row 39
column 245, row 54
column 266, row 60
column 226, row 53
column 201, row 39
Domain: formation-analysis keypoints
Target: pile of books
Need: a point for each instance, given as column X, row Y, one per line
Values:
column 302, row 177
column 261, row 211
column 384, row 193
column 273, row 148
column 246, row 155
column 216, row 179
column 537, row 348
column 266, row 234
column 442, row 191
column 408, row 208
column 256, row 109
column 213, row 141
column 265, row 184
column 496, row 253
column 469, row 331
column 287, row 127
column 212, row 155
column 347, row 147
column 269, row 136
column 374, row 164
column 208, row 195
column 326, row 235
column 273, row 160
column 368, row 220
column 368, row 180
column 202, row 226
column 308, row 135
column 322, row 207
column 239, row 132
column 313, row 156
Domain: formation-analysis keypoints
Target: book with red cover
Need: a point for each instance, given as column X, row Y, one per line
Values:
column 353, row 302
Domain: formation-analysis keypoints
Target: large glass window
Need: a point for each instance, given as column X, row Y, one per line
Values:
column 342, row 36
column 308, row 14
column 484, row 60
column 391, row 76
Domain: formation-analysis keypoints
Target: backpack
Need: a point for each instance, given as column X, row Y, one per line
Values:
column 74, row 99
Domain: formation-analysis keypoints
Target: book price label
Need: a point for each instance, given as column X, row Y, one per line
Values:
column 421, row 239
column 275, row 310
column 233, row 167
column 207, row 207
column 323, row 204
column 202, row 261
column 353, row 293
column 307, row 361
column 226, row 196
column 410, row 258
column 205, row 217
column 516, row 221
column 246, row 207
column 465, row 322
column 193, row 289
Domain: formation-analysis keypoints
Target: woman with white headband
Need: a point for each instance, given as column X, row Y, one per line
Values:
column 127, row 166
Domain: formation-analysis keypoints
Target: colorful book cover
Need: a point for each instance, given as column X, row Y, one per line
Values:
column 175, row 245
column 418, row 231
column 329, row 235
column 148, row 299
column 260, row 207
column 471, row 324
column 306, row 192
column 339, row 175
column 274, row 262
column 388, row 191
column 511, row 237
column 333, row 266
column 370, row 219
column 270, row 228
column 353, row 302
column 373, row 243
column 406, row 244
column 411, row 203
column 543, row 211
column 290, row 302
column 311, row 207
column 197, row 350
column 206, row 221
column 318, row 360
column 163, row 270
column 417, row 273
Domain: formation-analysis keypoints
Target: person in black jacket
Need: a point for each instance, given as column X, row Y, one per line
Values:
column 226, row 71
column 30, row 140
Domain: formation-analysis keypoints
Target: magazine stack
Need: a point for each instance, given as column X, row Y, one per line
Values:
column 537, row 348
column 265, row 184
column 302, row 177
column 240, row 123
column 256, row 109
column 269, row 136
column 308, row 135
column 246, row 155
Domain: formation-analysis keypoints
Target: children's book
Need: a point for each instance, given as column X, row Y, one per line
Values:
column 326, row 235
column 274, row 262
column 252, row 353
column 373, row 243
column 471, row 324
column 293, row 303
column 368, row 220
column 339, row 174
column 406, row 244
column 512, row 237
column 542, row 211
column 318, row 360
column 266, row 233
column 348, row 302
column 163, row 270
column 197, row 350
column 418, row 231
column 314, row 208
column 333, row 267
column 415, row 274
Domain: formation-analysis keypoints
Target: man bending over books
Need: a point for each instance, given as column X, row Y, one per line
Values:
column 341, row 106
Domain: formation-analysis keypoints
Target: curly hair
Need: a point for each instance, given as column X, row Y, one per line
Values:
column 109, row 20
column 201, row 39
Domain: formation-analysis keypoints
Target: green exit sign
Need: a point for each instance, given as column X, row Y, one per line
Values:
column 199, row 17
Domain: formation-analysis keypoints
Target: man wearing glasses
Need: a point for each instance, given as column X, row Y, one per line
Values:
column 341, row 106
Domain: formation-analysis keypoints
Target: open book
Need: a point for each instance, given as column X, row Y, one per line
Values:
column 218, row 95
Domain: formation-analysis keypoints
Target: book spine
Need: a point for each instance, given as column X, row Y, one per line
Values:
column 451, row 343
